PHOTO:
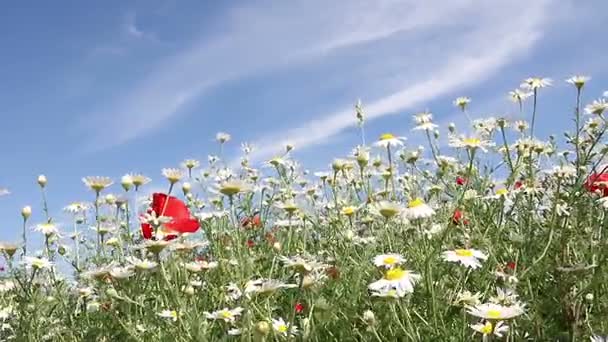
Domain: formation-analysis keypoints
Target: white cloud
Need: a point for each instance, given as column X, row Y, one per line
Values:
column 260, row 39
column 491, row 44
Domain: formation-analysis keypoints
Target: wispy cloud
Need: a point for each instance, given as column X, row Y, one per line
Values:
column 484, row 52
column 132, row 29
column 271, row 36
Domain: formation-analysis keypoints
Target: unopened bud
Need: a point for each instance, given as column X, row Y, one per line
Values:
column 26, row 212
column 369, row 318
column 186, row 188
column 42, row 181
column 127, row 182
column 262, row 328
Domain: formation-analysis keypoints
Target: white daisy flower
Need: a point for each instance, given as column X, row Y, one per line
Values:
column 168, row 314
column 386, row 209
column 283, row 329
column 496, row 311
column 222, row 137
column 388, row 139
column 37, row 263
column 487, row 329
column 417, row 209
column 468, row 257
column 173, row 175
column 226, row 315
column 598, row 338
column 48, row 229
column 265, row 286
column 399, row 279
column 388, row 260
column 597, row 107
column 462, row 102
column 470, row 143
column 97, row 183
column 534, row 83
column 578, row 81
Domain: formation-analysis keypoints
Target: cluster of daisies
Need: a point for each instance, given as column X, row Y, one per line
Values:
column 278, row 252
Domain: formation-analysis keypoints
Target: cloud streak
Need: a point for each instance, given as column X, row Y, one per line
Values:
column 488, row 49
column 271, row 36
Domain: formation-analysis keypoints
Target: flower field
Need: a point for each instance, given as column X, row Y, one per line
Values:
column 487, row 233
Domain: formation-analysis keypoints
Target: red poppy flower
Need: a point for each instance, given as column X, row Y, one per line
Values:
column 250, row 243
column 252, row 222
column 461, row 180
column 518, row 185
column 169, row 206
column 511, row 265
column 299, row 307
column 597, row 181
column 457, row 217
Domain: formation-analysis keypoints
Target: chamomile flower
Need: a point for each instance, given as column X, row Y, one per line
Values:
column 462, row 102
column 496, row 311
column 424, row 121
column 121, row 273
column 597, row 107
column 534, row 83
column 487, row 329
column 470, row 143
column 388, row 139
column 519, row 95
column 388, row 260
column 142, row 265
column 282, row 328
column 578, row 81
column 191, row 164
column 467, row 257
column 139, row 180
column 417, row 209
column 233, row 187
column 48, row 229
column 77, row 207
column 265, row 286
column 173, row 175
column 169, row 315
column 225, row 314
column 222, row 137
column 467, row 298
column 97, row 183
column 37, row 263
column 387, row 209
column 300, row 264
column 402, row 280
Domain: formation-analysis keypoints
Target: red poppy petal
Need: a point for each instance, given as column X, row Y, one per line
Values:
column 183, row 226
column 146, row 231
column 169, row 206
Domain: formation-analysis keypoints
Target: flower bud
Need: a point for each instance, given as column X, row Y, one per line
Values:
column 42, row 181
column 452, row 127
column 186, row 187
column 276, row 246
column 127, row 182
column 589, row 297
column 369, row 318
column 288, row 147
column 26, row 212
column 262, row 328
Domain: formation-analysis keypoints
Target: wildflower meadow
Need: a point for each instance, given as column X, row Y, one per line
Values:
column 487, row 233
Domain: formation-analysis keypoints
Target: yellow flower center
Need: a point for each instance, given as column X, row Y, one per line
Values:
column 494, row 314
column 464, row 252
column 282, row 328
column 501, row 192
column 415, row 203
column 395, row 274
column 230, row 190
column 388, row 212
column 348, row 211
column 487, row 328
column 386, row 136
column 226, row 314
column 389, row 260
column 471, row 141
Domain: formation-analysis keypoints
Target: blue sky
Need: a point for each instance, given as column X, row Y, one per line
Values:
column 106, row 88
